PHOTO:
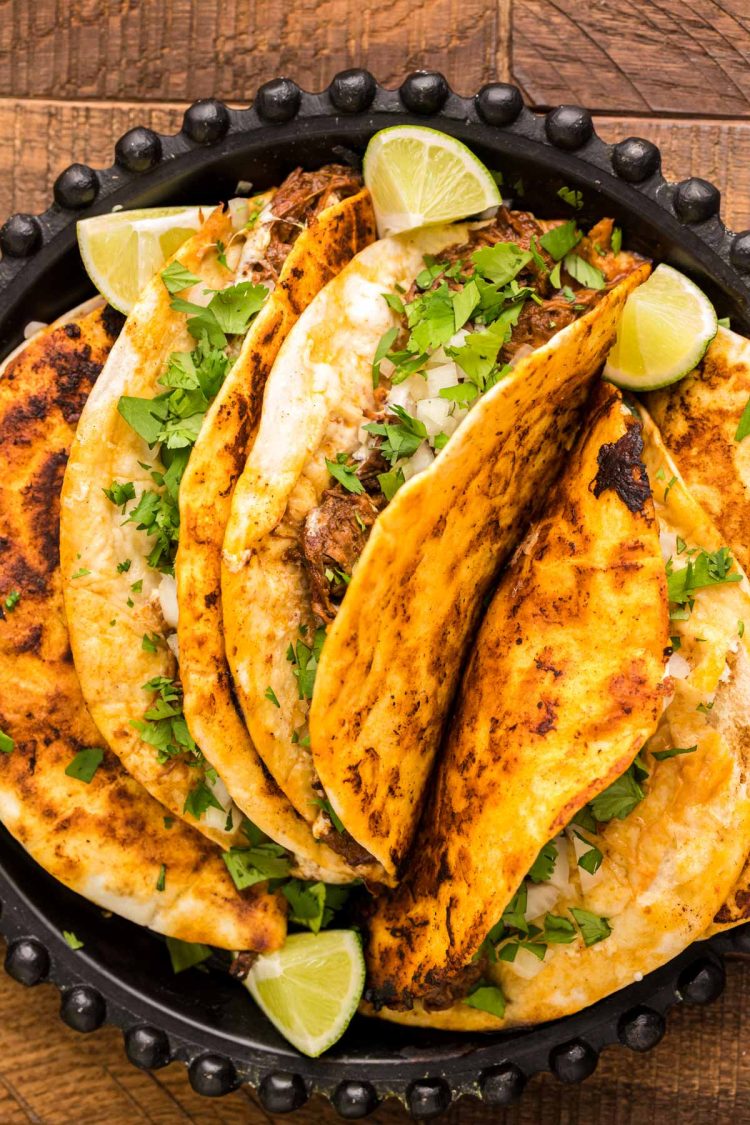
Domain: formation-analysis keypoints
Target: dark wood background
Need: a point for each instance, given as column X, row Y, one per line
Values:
column 74, row 75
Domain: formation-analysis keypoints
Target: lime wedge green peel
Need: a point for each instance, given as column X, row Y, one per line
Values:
column 664, row 330
column 311, row 987
column 418, row 177
column 124, row 249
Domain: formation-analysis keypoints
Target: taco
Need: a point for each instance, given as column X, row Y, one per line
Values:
column 705, row 421
column 211, row 316
column 619, row 871
column 63, row 795
column 215, row 463
column 494, row 330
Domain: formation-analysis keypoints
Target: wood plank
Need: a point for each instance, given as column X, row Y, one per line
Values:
column 176, row 49
column 661, row 56
column 698, row 1075
column 42, row 137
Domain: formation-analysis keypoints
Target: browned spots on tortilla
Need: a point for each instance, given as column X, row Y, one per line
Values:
column 621, row 468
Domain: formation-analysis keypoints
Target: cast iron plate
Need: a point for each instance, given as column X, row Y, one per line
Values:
column 122, row 975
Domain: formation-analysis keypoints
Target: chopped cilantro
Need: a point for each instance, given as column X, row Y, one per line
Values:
column 81, row 573
column 394, row 303
column 740, row 628
column 585, row 819
column 85, row 764
column 158, row 514
column 591, row 860
column 333, row 816
column 391, row 481
column 304, row 659
column 12, row 600
column 724, row 322
column 543, row 866
column 619, row 799
column 500, row 263
column 124, row 566
column 439, row 441
column 571, row 196
column 616, row 240
column 464, row 302
column 593, row 928
column 221, row 254
column 119, row 494
column 560, row 240
column 487, row 998
column 161, row 881
column 463, row 393
column 150, row 642
column 186, row 954
column 403, row 434
column 743, row 428
column 270, row 694
column 384, row 346
column 708, row 568
column 313, row 905
column 555, row 277
column 199, row 799
column 344, row 473
column 168, row 821
column 662, row 755
column 72, row 940
column 514, row 915
column 163, row 725
column 7, row 744
column 584, row 273
column 177, row 277
column 558, row 930
column 137, row 587
column 256, row 864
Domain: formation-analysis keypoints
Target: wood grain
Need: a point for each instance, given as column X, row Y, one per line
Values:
column 164, row 49
column 661, row 56
column 49, row 1075
column 43, row 137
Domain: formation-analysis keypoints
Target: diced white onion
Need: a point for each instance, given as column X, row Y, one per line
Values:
column 678, row 666
column 561, row 875
column 526, row 965
column 167, row 594
column 33, row 327
column 433, row 413
column 540, row 897
column 521, row 353
column 581, row 847
column 668, row 543
column 174, row 645
column 400, row 395
column 419, row 461
column 726, row 674
column 239, row 212
column 438, row 378
column 244, row 187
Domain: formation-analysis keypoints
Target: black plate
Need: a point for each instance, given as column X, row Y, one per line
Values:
column 122, row 975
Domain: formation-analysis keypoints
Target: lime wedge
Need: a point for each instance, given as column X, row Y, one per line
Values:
column 123, row 250
column 664, row 330
column 311, row 987
column 418, row 177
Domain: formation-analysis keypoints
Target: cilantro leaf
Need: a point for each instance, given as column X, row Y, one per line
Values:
column 390, row 482
column 7, row 744
column 543, row 866
column 593, row 928
column 270, row 695
column 616, row 241
column 249, row 866
column 558, row 930
column 464, row 301
column 119, row 494
column 85, row 764
column 313, row 905
column 584, row 273
column 676, row 751
column 500, row 263
column 325, row 804
column 344, row 474
column 176, row 277
column 743, row 428
column 144, row 415
column 161, row 881
column 709, row 568
column 514, row 915
column 394, row 303
column 560, row 240
column 384, row 346
column 591, row 860
column 163, row 725
column 461, row 392
column 185, row 954
column 72, row 940
column 304, row 659
column 199, row 799
column 619, row 799
column 235, row 306
column 431, row 319
column 487, row 998
column 12, row 600
column 571, row 196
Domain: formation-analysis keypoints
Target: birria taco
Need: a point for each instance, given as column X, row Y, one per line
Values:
column 214, row 316
column 705, row 422
column 554, row 865
column 418, row 411
column 63, row 795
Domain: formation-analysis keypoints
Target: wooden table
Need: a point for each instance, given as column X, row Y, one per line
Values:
column 73, row 76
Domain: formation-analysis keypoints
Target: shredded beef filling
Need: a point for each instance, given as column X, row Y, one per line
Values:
column 300, row 199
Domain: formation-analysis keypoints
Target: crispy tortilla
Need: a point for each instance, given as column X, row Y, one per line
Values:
column 563, row 688
column 107, row 840
column 206, row 490
column 395, row 648
column 698, row 419
column 669, row 863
